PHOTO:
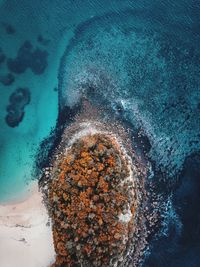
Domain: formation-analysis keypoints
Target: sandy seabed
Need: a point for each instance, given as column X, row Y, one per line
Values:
column 25, row 237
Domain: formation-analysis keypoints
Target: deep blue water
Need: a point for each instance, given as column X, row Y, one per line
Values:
column 140, row 61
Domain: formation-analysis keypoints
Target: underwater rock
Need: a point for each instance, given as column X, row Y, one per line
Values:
column 17, row 65
column 42, row 40
column 36, row 60
column 14, row 117
column 10, row 29
column 7, row 79
column 2, row 56
column 23, row 59
column 18, row 100
column 25, row 49
column 38, row 63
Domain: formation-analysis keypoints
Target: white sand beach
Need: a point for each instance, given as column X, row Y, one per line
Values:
column 25, row 237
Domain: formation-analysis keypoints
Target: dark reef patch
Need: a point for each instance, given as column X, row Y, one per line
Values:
column 2, row 56
column 27, row 57
column 23, row 59
column 43, row 41
column 15, row 110
column 38, row 61
column 9, row 28
column 7, row 79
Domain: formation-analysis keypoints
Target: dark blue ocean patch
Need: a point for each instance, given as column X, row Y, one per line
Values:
column 187, row 199
column 180, row 246
column 15, row 110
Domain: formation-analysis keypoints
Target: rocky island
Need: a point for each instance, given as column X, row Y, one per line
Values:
column 92, row 197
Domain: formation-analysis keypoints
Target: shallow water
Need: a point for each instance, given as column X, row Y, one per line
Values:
column 139, row 60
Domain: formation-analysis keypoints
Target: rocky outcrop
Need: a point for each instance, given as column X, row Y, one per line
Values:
column 93, row 203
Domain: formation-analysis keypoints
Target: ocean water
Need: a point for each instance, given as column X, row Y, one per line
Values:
column 140, row 60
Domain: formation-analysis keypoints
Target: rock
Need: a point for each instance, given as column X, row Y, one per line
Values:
column 117, row 236
column 78, row 247
column 69, row 244
column 91, row 215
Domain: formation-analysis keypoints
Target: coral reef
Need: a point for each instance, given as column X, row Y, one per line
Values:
column 18, row 100
column 35, row 59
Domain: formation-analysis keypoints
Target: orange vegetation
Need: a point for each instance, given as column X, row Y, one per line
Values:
column 88, row 193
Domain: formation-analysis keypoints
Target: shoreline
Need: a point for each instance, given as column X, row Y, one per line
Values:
column 25, row 232
column 27, row 193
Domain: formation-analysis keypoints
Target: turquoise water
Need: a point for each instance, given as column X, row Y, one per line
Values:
column 19, row 145
column 149, row 27
column 137, row 59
